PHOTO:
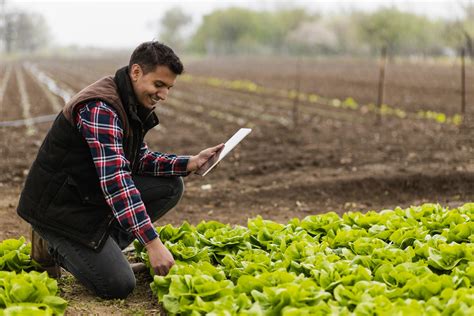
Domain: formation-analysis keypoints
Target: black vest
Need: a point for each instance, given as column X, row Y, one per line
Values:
column 62, row 191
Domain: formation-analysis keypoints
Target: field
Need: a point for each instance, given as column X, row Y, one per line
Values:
column 333, row 159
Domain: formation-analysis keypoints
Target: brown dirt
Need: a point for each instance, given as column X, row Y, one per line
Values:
column 408, row 85
column 334, row 160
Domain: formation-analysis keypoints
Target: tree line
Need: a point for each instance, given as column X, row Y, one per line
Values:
column 298, row 31
column 21, row 31
column 286, row 31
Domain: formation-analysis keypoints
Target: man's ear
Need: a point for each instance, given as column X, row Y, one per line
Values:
column 135, row 72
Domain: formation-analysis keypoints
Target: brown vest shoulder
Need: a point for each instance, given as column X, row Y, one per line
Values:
column 104, row 90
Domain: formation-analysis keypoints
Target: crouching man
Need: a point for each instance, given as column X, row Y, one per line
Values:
column 95, row 186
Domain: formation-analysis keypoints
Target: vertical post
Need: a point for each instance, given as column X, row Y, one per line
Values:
column 297, row 89
column 380, row 95
column 463, row 83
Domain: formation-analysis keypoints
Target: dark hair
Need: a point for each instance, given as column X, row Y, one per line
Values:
column 151, row 54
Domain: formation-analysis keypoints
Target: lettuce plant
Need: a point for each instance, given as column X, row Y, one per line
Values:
column 30, row 293
column 418, row 260
column 15, row 255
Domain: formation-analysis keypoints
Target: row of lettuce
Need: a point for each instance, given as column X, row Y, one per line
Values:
column 348, row 103
column 23, row 292
column 413, row 261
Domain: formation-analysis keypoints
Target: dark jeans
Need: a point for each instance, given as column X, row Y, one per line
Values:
column 107, row 272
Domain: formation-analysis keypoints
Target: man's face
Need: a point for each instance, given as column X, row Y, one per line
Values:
column 152, row 87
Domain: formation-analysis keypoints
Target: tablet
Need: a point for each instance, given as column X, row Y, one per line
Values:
column 228, row 146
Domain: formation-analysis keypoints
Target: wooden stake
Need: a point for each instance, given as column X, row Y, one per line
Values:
column 463, row 83
column 297, row 89
column 380, row 95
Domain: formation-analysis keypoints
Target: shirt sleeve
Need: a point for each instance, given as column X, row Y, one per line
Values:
column 159, row 164
column 101, row 127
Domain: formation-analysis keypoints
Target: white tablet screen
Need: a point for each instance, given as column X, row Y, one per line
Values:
column 228, row 146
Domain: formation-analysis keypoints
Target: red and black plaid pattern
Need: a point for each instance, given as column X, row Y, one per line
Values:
column 102, row 129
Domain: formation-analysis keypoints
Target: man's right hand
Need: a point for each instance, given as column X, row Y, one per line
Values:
column 196, row 162
column 161, row 258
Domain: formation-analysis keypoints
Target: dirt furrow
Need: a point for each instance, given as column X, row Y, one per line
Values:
column 25, row 101
column 275, row 108
column 54, row 101
column 411, row 86
column 3, row 84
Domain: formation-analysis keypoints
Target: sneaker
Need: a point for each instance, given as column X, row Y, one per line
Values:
column 40, row 254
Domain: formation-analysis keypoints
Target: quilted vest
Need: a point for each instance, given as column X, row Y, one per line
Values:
column 62, row 191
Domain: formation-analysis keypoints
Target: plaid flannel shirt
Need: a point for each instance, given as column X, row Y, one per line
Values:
column 101, row 127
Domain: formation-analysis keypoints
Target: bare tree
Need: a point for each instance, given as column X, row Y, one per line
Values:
column 172, row 23
column 468, row 27
column 9, row 31
column 2, row 21
column 31, row 32
column 21, row 31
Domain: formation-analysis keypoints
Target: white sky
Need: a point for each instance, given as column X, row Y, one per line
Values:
column 124, row 24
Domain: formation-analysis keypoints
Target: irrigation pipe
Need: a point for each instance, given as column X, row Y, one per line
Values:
column 33, row 120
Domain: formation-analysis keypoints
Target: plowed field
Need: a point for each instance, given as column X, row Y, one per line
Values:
column 334, row 159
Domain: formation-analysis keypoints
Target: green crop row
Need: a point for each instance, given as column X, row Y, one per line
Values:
column 31, row 293
column 348, row 103
column 15, row 255
column 411, row 261
column 25, row 293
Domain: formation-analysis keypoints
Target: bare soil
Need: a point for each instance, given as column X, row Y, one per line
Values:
column 332, row 160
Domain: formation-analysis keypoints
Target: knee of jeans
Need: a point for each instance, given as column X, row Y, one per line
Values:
column 121, row 286
column 178, row 188
column 176, row 193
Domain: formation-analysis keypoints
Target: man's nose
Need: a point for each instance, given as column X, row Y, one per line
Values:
column 163, row 94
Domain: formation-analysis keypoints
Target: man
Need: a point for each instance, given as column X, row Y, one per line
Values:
column 95, row 186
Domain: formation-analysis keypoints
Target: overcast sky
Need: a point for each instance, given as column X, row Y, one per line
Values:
column 123, row 24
